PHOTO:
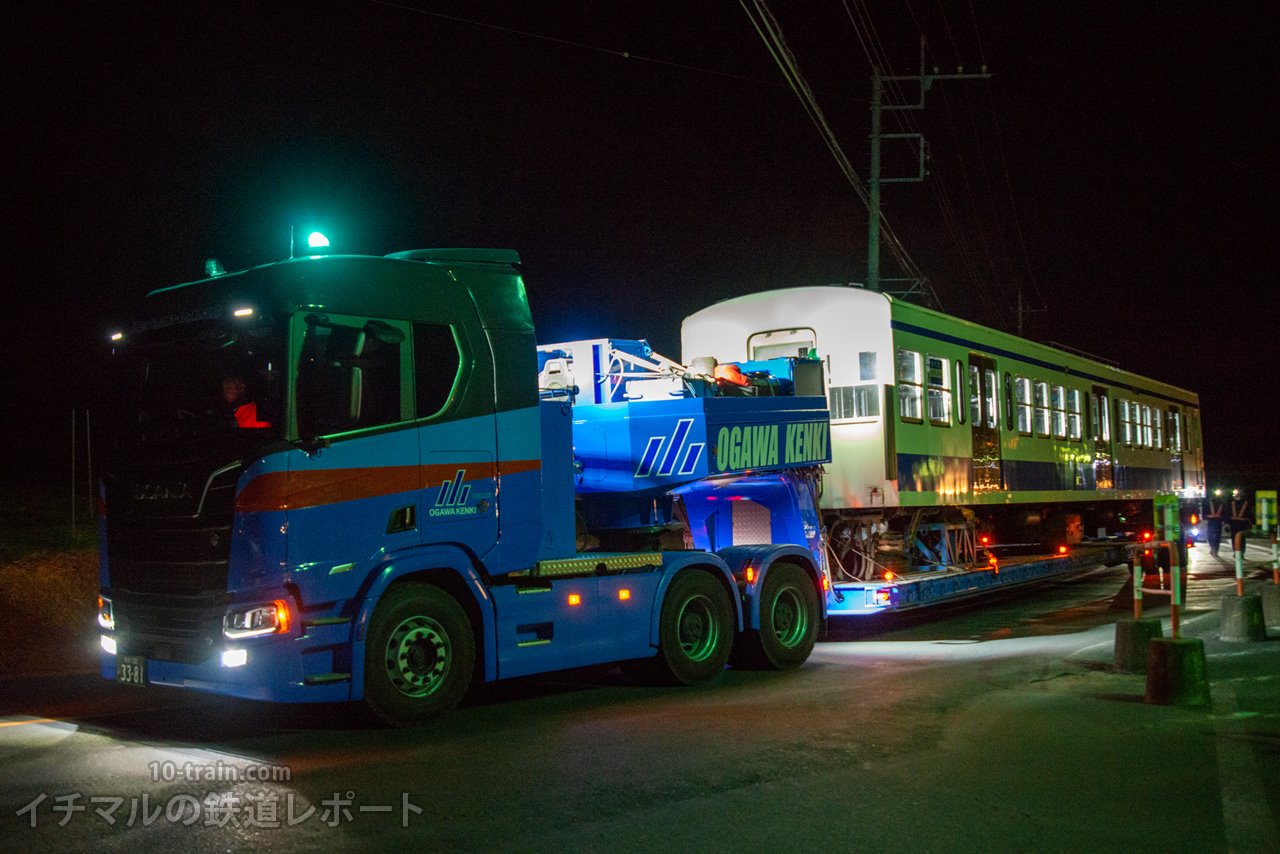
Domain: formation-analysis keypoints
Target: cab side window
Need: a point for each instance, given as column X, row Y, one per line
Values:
column 436, row 364
column 350, row 373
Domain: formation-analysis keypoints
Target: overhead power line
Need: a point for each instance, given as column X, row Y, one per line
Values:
column 770, row 32
column 620, row 54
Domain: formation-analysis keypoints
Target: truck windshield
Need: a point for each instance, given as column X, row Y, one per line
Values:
column 204, row 379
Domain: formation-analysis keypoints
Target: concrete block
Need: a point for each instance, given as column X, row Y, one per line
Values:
column 1271, row 605
column 1242, row 619
column 1176, row 674
column 1133, row 637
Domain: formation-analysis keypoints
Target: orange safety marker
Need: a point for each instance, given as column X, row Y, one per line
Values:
column 1275, row 561
column 1237, row 545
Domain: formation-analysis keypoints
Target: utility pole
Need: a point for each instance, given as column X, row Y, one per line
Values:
column 878, row 106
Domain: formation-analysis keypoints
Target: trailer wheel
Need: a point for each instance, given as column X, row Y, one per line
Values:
column 788, row 621
column 419, row 655
column 695, row 629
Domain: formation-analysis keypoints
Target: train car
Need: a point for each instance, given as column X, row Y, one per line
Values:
column 938, row 421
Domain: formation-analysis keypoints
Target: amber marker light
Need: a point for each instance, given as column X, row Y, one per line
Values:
column 751, row 574
column 889, row 576
column 575, row 599
column 283, row 617
column 1062, row 550
column 624, row 594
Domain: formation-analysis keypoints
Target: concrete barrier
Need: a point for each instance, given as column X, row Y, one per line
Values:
column 1133, row 637
column 1176, row 674
column 1271, row 605
column 1242, row 619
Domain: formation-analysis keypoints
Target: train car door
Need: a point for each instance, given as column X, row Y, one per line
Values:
column 1100, row 426
column 986, row 474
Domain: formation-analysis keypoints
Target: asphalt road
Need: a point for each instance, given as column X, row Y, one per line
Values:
column 997, row 726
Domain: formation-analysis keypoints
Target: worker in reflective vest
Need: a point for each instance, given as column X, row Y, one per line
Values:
column 1214, row 513
column 1241, row 520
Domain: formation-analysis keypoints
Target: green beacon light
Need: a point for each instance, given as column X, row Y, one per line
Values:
column 317, row 241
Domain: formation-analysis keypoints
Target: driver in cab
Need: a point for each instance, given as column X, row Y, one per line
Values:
column 245, row 410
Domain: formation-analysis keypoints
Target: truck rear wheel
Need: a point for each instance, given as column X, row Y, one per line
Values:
column 695, row 630
column 419, row 655
column 788, row 621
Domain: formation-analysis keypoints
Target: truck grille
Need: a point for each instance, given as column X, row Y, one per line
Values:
column 168, row 570
column 188, row 633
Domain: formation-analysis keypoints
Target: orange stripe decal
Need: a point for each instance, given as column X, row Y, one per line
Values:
column 295, row 490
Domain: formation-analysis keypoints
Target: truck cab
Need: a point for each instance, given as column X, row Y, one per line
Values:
column 399, row 515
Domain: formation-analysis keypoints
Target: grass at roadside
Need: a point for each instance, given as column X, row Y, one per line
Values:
column 48, row 581
column 49, row 599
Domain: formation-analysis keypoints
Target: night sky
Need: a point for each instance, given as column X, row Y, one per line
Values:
column 1118, row 168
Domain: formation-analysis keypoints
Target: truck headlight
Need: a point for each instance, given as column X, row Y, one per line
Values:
column 268, row 619
column 106, row 616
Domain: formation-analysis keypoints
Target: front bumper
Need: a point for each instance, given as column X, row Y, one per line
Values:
column 311, row 664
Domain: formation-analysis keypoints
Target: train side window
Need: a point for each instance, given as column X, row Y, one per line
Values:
column 993, row 416
column 1157, row 422
column 1042, row 408
column 1058, row 403
column 1074, row 431
column 1146, row 427
column 939, row 391
column 1022, row 388
column 1104, row 417
column 1126, row 426
column 1175, row 431
column 975, row 395
column 958, row 384
column 910, row 386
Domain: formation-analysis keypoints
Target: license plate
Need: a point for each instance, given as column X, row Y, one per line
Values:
column 131, row 669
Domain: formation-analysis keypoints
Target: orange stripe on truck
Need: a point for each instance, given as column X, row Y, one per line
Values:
column 296, row 490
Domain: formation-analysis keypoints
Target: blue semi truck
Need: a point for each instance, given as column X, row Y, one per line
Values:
column 352, row 478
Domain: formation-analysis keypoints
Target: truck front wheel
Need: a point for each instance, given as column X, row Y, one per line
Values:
column 695, row 629
column 788, row 621
column 419, row 655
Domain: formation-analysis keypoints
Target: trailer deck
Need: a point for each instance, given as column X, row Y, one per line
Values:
column 933, row 586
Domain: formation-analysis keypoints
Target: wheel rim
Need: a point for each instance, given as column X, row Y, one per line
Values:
column 789, row 617
column 418, row 656
column 698, row 628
